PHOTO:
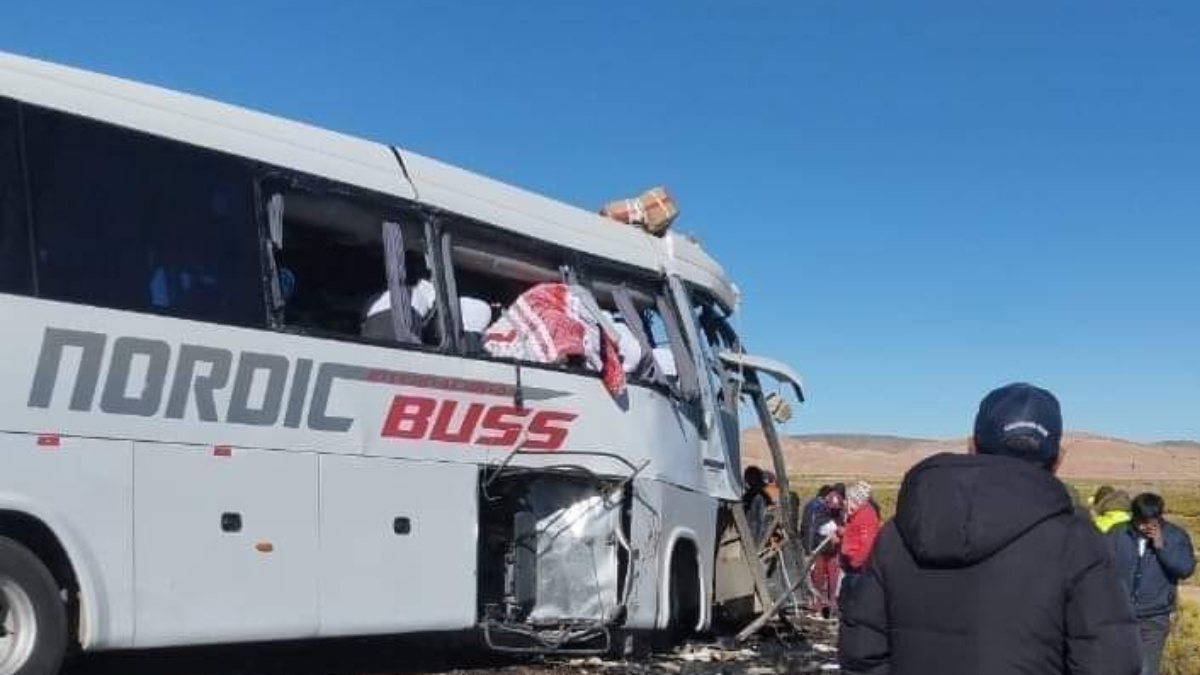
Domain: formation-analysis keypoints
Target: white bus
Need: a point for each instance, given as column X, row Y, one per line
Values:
column 204, row 441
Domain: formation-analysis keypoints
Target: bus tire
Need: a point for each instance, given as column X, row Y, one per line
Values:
column 32, row 613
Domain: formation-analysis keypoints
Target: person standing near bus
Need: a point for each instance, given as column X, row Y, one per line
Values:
column 826, row 574
column 812, row 517
column 771, row 487
column 988, row 568
column 858, row 534
column 756, row 501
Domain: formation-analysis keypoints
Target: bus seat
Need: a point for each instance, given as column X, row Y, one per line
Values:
column 377, row 320
column 476, row 317
column 666, row 361
column 476, row 314
column 628, row 346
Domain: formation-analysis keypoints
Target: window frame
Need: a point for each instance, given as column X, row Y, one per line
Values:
column 271, row 180
column 594, row 271
column 165, row 144
column 23, row 219
column 477, row 235
column 586, row 270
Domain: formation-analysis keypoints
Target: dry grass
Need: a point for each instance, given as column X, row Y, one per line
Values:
column 1182, row 655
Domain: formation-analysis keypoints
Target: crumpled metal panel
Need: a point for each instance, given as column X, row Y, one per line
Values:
column 576, row 552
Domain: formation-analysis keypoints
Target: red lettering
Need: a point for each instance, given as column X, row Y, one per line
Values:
column 417, row 417
column 408, row 417
column 441, row 426
column 551, row 425
column 497, row 421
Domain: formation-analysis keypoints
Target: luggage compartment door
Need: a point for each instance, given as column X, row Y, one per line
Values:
column 225, row 544
column 398, row 545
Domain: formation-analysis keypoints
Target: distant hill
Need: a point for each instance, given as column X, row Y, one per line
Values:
column 1184, row 445
column 866, row 441
column 1088, row 456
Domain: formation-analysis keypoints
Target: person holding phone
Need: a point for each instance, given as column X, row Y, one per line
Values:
column 1152, row 557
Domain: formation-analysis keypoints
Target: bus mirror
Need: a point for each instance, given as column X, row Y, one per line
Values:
column 739, row 361
column 275, row 220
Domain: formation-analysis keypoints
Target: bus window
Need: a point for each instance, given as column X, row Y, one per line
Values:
column 664, row 356
column 716, row 329
column 331, row 269
column 490, row 271
column 15, row 273
column 646, row 350
column 634, row 302
column 126, row 220
column 716, row 335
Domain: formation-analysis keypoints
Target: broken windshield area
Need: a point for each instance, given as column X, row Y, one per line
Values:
column 716, row 336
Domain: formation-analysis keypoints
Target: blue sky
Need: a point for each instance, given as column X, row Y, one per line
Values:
column 919, row 200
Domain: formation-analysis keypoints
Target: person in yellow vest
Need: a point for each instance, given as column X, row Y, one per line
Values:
column 1101, row 493
column 1110, row 508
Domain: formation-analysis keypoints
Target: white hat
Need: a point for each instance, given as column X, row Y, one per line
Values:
column 858, row 494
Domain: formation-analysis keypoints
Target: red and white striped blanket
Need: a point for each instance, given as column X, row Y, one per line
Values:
column 550, row 323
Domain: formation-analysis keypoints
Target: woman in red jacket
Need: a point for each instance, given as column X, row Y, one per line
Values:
column 858, row 534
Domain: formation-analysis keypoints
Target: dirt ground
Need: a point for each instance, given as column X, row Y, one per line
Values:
column 777, row 651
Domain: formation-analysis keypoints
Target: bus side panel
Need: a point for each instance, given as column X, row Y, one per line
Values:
column 354, row 402
column 48, row 387
column 81, row 488
column 663, row 515
column 226, row 544
column 398, row 545
column 645, row 425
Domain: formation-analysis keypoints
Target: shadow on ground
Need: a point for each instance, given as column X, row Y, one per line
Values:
column 410, row 655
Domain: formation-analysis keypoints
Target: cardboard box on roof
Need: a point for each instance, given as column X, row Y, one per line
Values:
column 653, row 211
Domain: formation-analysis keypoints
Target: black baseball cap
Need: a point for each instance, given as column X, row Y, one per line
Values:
column 1020, row 420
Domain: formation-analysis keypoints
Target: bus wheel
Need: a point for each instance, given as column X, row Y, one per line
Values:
column 33, row 617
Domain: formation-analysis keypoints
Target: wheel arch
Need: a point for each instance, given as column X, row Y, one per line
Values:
column 683, row 539
column 52, row 541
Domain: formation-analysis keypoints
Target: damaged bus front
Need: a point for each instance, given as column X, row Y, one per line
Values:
column 585, row 551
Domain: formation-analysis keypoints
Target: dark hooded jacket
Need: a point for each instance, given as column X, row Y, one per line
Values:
column 814, row 517
column 987, row 569
column 1149, row 581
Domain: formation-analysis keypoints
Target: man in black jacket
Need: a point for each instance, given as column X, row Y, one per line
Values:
column 987, row 568
column 1152, row 557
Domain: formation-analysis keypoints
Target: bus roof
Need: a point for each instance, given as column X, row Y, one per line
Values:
column 226, row 128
